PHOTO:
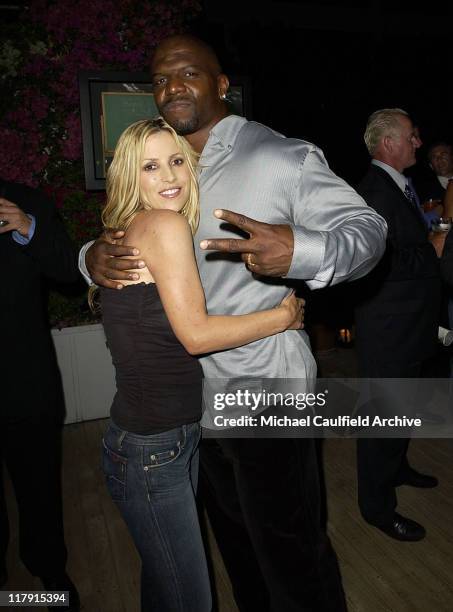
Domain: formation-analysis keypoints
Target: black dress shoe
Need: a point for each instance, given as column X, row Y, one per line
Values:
column 412, row 478
column 403, row 529
column 62, row 582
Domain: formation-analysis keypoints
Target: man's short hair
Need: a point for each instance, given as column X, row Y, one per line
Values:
column 381, row 123
column 438, row 143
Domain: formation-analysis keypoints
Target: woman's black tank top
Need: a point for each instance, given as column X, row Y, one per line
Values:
column 159, row 384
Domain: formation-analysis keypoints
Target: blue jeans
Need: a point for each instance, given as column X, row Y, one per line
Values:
column 153, row 480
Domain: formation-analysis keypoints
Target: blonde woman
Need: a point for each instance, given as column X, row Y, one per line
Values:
column 153, row 329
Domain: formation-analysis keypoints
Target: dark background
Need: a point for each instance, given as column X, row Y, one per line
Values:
column 319, row 69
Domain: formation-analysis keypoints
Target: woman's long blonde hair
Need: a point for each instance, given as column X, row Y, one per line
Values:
column 124, row 199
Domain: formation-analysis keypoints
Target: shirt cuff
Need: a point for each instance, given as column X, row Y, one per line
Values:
column 82, row 266
column 23, row 240
column 308, row 254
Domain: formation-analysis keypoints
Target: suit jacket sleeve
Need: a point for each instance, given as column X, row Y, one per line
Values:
column 50, row 247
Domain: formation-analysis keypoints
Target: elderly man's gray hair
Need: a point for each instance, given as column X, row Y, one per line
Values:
column 381, row 123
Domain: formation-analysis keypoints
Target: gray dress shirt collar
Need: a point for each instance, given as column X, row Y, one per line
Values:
column 222, row 138
column 226, row 131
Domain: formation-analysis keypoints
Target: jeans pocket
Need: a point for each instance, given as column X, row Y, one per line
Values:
column 160, row 458
column 115, row 471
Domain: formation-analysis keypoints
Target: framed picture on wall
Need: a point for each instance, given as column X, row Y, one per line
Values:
column 110, row 101
column 119, row 110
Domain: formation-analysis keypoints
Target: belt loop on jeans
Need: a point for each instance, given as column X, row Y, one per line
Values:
column 121, row 439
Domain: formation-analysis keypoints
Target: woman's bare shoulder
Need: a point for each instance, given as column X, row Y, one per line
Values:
column 158, row 224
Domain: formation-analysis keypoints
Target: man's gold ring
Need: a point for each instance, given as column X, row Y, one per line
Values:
column 249, row 260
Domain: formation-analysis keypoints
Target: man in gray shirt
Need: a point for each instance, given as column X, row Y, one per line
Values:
column 263, row 494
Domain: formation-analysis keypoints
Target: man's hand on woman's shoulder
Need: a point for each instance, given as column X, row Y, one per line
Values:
column 105, row 264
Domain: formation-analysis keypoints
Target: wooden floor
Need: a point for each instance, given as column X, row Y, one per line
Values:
column 379, row 574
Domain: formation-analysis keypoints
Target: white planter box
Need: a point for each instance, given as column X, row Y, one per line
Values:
column 87, row 372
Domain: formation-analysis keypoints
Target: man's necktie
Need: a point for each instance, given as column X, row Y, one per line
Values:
column 410, row 195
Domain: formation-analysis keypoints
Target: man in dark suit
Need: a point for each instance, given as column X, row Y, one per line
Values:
column 34, row 247
column 440, row 157
column 398, row 314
